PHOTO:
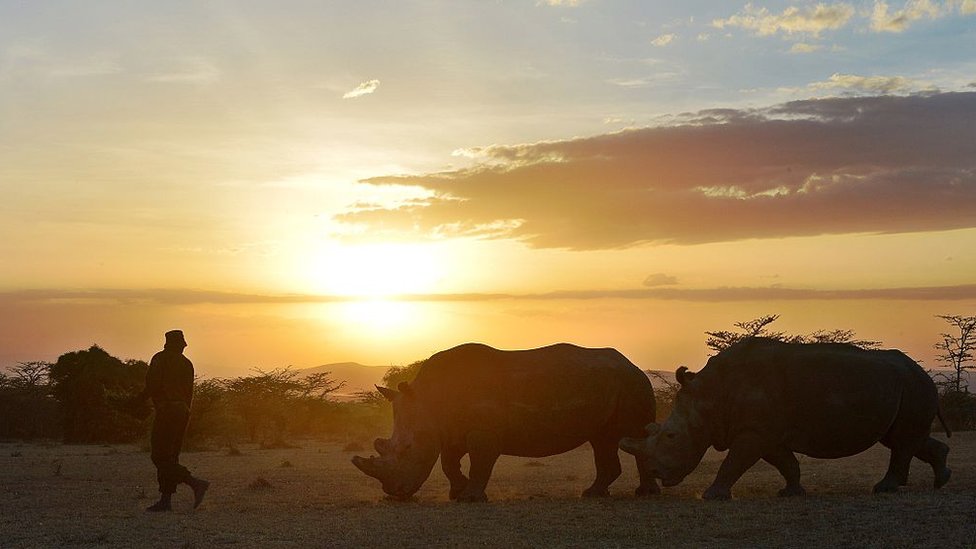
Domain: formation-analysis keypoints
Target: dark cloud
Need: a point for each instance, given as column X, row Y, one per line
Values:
column 154, row 296
column 963, row 292
column 825, row 166
column 660, row 279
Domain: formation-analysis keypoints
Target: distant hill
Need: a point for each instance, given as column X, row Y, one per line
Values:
column 968, row 376
column 358, row 377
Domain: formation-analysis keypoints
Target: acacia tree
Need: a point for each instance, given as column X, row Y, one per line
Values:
column 759, row 327
column 665, row 391
column 32, row 374
column 956, row 349
column 723, row 339
column 399, row 374
column 27, row 409
column 278, row 399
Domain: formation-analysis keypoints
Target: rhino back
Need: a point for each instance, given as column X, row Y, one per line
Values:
column 539, row 401
column 823, row 400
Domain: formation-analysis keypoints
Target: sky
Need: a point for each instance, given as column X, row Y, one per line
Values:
column 300, row 183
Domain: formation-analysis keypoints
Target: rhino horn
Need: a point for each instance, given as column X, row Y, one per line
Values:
column 390, row 394
column 383, row 446
column 364, row 464
column 683, row 375
column 632, row 446
column 372, row 466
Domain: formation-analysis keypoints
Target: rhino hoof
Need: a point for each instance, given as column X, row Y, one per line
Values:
column 942, row 479
column 885, row 488
column 472, row 498
column 644, row 491
column 714, row 493
column 791, row 491
column 596, row 493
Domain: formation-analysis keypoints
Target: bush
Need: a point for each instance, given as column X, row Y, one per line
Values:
column 27, row 409
column 959, row 410
column 92, row 388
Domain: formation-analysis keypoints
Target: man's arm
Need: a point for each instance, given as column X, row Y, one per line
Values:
column 153, row 379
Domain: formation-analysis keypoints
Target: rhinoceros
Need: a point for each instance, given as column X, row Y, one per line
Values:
column 484, row 402
column 766, row 399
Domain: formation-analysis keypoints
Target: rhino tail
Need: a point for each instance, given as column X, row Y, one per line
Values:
column 942, row 419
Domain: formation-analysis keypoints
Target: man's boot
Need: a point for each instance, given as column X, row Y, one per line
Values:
column 199, row 487
column 162, row 505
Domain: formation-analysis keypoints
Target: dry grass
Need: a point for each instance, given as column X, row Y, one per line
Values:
column 94, row 496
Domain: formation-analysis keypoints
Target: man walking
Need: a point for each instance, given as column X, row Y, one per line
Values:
column 169, row 383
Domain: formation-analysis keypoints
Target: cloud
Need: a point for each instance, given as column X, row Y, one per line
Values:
column 563, row 3
column 193, row 70
column 660, row 279
column 819, row 166
column 883, row 20
column 810, row 20
column 96, row 65
column 663, row 40
column 365, row 88
column 801, row 47
column 868, row 84
column 961, row 292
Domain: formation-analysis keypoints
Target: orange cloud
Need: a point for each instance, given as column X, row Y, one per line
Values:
column 824, row 166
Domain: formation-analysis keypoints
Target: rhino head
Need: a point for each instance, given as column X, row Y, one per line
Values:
column 406, row 459
column 673, row 450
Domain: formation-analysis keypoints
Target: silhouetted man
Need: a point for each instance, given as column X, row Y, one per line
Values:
column 169, row 383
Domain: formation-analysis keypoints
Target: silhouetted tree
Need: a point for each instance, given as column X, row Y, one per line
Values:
column 92, row 388
column 956, row 348
column 399, row 374
column 27, row 409
column 272, row 400
column 758, row 327
column 211, row 416
column 665, row 392
column 32, row 374
column 721, row 340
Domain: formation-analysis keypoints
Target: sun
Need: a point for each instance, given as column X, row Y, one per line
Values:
column 376, row 271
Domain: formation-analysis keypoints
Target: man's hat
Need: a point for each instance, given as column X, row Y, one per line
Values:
column 175, row 337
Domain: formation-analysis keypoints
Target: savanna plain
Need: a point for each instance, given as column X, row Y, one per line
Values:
column 311, row 495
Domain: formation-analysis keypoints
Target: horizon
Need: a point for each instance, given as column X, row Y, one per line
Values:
column 302, row 185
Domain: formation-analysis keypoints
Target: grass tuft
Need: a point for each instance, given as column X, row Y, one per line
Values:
column 259, row 484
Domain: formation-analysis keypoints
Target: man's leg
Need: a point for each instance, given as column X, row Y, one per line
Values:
column 163, row 457
column 169, row 428
column 181, row 473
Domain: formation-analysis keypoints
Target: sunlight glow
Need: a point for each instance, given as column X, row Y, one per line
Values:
column 376, row 270
column 376, row 315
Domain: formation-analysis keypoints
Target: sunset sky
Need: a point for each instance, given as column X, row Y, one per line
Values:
column 300, row 183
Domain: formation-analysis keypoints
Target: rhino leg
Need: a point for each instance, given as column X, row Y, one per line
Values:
column 934, row 453
column 785, row 462
column 451, row 465
column 897, row 474
column 607, row 467
column 648, row 484
column 744, row 452
column 483, row 448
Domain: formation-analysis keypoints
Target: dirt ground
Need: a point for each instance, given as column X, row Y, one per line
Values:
column 57, row 495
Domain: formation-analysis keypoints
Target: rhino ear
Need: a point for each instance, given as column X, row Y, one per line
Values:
column 390, row 394
column 405, row 388
column 683, row 376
